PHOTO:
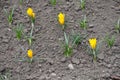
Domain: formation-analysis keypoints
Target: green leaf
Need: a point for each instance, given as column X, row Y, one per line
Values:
column 83, row 23
column 66, row 38
column 53, row 2
column 82, row 4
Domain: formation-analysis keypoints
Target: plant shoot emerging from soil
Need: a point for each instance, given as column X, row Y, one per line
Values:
column 82, row 4
column 19, row 31
column 53, row 2
column 117, row 26
column 83, row 23
column 6, row 76
column 30, row 38
column 67, row 48
column 9, row 15
column 21, row 2
column 110, row 41
column 76, row 38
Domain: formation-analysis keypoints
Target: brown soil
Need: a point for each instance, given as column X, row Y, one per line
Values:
column 50, row 63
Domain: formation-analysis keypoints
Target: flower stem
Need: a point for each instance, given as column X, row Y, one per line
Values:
column 32, row 29
column 31, row 33
column 31, row 60
column 63, row 26
column 10, row 24
column 94, row 56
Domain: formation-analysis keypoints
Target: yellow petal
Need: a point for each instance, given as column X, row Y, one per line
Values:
column 93, row 43
column 30, row 53
column 61, row 21
column 33, row 15
column 30, row 12
column 61, row 18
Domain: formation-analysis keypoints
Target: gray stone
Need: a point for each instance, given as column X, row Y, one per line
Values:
column 53, row 74
column 104, row 17
column 91, row 25
column 75, row 51
column 59, row 78
column 42, row 77
column 75, row 61
column 51, row 70
column 39, row 65
column 117, row 12
column 109, row 65
column 63, row 59
column 105, row 75
column 2, row 69
column 112, row 58
column 70, row 66
column 61, row 39
column 101, row 56
column 66, row 78
column 6, row 40
column 77, row 8
column 50, row 61
column 83, row 61
column 45, row 4
column 18, row 69
column 48, row 78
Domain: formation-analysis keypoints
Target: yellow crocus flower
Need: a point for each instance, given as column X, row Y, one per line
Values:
column 61, row 18
column 30, row 53
column 93, row 43
column 33, row 15
column 30, row 12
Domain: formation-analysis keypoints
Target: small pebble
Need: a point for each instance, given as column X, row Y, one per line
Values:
column 101, row 56
column 75, row 61
column 63, row 59
column 53, row 74
column 70, row 66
